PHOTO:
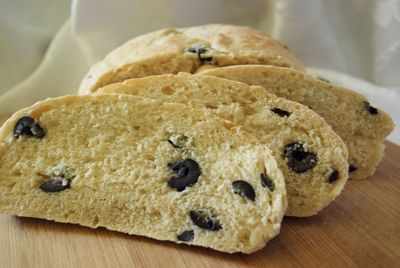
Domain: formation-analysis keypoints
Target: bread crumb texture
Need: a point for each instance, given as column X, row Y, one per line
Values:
column 362, row 127
column 137, row 166
column 312, row 157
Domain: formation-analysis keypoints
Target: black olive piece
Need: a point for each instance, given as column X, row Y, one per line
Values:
column 204, row 59
column 332, row 176
column 299, row 160
column 352, row 168
column 200, row 51
column 205, row 221
column 281, row 113
column 197, row 49
column 187, row 173
column 244, row 189
column 324, row 79
column 55, row 184
column 369, row 108
column 186, row 236
column 173, row 145
column 179, row 143
column 26, row 126
column 266, row 182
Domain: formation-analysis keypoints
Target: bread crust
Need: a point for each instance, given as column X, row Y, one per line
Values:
column 166, row 51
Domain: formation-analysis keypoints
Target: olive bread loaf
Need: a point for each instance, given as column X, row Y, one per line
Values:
column 186, row 50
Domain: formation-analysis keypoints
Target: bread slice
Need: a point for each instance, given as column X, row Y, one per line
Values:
column 362, row 127
column 312, row 157
column 185, row 50
column 164, row 171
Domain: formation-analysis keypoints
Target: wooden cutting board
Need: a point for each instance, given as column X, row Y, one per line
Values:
column 360, row 229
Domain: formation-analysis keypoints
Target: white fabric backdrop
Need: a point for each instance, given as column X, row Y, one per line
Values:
column 358, row 37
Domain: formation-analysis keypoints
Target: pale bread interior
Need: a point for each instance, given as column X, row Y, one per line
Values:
column 345, row 110
column 114, row 151
column 251, row 107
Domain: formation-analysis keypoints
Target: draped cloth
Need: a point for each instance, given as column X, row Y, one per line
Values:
column 47, row 46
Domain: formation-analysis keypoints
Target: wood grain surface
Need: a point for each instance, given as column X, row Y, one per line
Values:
column 360, row 229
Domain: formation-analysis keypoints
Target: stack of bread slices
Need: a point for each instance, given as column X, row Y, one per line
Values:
column 205, row 135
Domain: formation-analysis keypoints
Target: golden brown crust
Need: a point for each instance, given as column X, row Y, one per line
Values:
column 246, row 42
column 165, row 51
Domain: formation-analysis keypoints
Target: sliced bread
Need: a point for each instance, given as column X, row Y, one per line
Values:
column 362, row 127
column 113, row 161
column 312, row 157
